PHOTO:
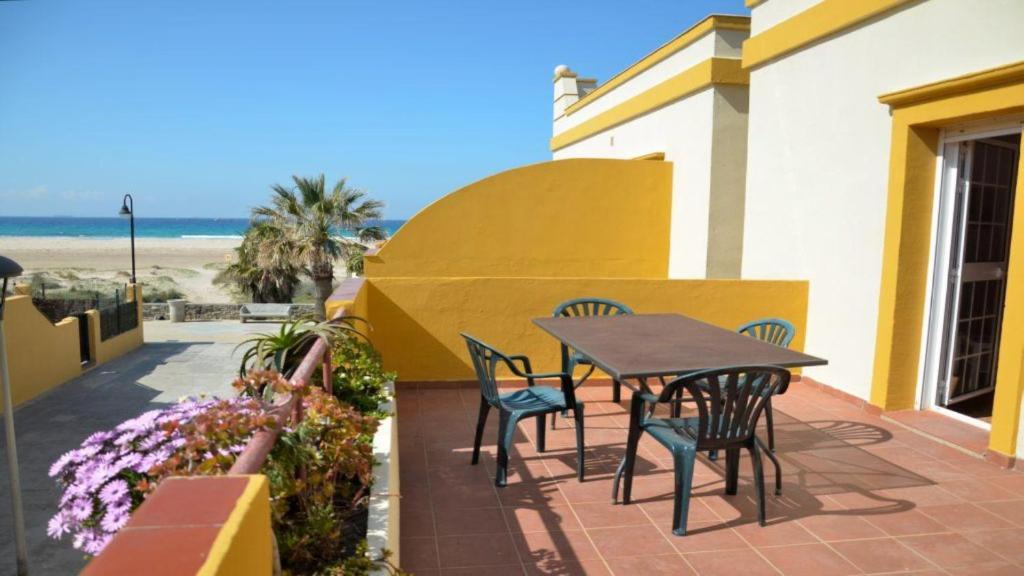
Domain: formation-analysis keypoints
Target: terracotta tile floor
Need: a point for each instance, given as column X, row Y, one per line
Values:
column 860, row 496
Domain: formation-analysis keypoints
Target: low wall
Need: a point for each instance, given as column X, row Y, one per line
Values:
column 197, row 312
column 106, row 350
column 416, row 321
column 383, row 521
column 207, row 525
column 40, row 355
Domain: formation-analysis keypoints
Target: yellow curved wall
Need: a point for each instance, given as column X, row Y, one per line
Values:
column 40, row 355
column 580, row 217
column 416, row 321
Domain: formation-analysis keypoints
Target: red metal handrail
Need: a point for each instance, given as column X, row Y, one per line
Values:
column 251, row 460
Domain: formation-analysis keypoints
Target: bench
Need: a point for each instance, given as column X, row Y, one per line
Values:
column 264, row 312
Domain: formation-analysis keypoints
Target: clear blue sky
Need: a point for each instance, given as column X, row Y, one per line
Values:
column 197, row 107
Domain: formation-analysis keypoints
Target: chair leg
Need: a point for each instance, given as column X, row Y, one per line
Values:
column 684, row 464
column 775, row 462
column 616, row 391
column 732, row 470
column 755, row 461
column 770, row 424
column 677, row 406
column 481, row 423
column 541, row 431
column 580, row 463
column 632, row 444
column 712, row 455
column 506, row 432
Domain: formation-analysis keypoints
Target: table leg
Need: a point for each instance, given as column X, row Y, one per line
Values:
column 636, row 407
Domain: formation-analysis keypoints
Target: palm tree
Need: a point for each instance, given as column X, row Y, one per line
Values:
column 310, row 215
column 368, row 234
column 356, row 248
column 265, row 268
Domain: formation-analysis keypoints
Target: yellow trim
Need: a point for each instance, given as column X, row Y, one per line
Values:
column 243, row 546
column 691, row 35
column 960, row 85
column 918, row 116
column 651, row 156
column 819, row 21
column 754, row 3
column 709, row 72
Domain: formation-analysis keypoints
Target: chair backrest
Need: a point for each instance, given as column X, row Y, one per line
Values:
column 485, row 362
column 729, row 401
column 771, row 330
column 591, row 307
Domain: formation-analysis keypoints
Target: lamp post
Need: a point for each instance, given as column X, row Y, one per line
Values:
column 128, row 209
column 9, row 269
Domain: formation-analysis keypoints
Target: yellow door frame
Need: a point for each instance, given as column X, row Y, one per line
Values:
column 918, row 116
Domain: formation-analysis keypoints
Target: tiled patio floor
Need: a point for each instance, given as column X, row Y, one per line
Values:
column 861, row 496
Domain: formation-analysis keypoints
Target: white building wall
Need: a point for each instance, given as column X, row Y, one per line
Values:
column 682, row 130
column 769, row 13
column 818, row 164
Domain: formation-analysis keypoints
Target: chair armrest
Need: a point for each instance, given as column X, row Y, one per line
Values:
column 546, row 375
column 524, row 359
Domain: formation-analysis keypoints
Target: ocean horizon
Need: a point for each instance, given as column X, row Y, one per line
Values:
column 114, row 227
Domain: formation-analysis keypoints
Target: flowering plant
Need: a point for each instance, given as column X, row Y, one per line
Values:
column 319, row 470
column 111, row 473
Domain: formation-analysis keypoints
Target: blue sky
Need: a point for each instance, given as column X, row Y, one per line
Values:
column 197, row 107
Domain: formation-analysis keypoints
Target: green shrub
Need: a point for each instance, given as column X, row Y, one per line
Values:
column 359, row 375
column 160, row 295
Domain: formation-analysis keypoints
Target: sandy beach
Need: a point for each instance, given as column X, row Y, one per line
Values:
column 190, row 262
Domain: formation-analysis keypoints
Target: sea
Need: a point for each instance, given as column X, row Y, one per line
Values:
column 144, row 227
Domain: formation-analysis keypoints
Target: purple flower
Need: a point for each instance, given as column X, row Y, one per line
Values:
column 81, row 509
column 115, row 519
column 98, row 479
column 100, row 437
column 114, row 492
column 58, row 526
column 61, row 464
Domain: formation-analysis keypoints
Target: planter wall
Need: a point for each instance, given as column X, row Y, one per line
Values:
column 382, row 523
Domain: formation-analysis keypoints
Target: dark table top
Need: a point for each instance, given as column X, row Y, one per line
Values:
column 643, row 345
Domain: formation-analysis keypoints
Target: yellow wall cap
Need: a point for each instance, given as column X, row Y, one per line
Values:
column 972, row 82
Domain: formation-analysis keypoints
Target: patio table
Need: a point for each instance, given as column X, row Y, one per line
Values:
column 641, row 346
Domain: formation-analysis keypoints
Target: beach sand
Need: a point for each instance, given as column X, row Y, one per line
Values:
column 190, row 262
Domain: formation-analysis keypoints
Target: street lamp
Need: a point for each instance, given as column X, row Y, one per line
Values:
column 9, row 269
column 128, row 209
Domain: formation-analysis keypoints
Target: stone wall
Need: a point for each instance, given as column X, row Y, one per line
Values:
column 193, row 312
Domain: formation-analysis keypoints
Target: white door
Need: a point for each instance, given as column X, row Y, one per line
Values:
column 972, row 248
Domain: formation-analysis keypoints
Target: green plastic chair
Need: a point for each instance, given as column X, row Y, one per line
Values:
column 532, row 401
column 571, row 358
column 773, row 331
column 729, row 402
